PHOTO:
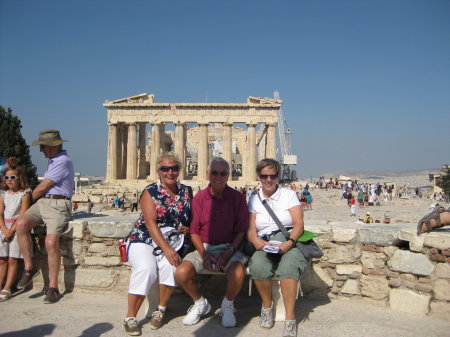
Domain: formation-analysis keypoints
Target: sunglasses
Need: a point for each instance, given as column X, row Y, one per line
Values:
column 10, row 177
column 265, row 176
column 221, row 173
column 175, row 168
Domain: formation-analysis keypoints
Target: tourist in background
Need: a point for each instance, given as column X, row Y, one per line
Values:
column 290, row 263
column 15, row 199
column 164, row 204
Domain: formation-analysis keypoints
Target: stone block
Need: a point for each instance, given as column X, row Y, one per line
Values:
column 341, row 277
column 78, row 228
column 408, row 277
column 316, row 277
column 77, row 247
column 111, row 226
column 395, row 283
column 379, row 235
column 441, row 270
column 113, row 251
column 390, row 250
column 441, row 290
column 375, row 287
column 372, row 248
column 446, row 252
column 102, row 261
column 342, row 254
column 409, row 284
column 369, row 271
column 351, row 287
column 408, row 262
column 347, row 269
column 97, row 248
column 415, row 241
column 440, row 310
column 437, row 240
column 373, row 260
column 343, row 234
column 425, row 288
column 437, row 257
column 392, row 274
column 327, row 265
column 94, row 278
column 409, row 301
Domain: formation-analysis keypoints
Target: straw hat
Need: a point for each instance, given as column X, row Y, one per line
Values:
column 49, row 137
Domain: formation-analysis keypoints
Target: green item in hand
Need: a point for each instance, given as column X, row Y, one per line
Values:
column 307, row 235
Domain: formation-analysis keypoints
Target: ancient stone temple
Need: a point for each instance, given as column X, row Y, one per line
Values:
column 140, row 129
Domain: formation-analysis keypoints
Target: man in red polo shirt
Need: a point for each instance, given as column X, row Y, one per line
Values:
column 219, row 224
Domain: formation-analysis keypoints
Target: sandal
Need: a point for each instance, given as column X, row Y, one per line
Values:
column 5, row 295
column 434, row 215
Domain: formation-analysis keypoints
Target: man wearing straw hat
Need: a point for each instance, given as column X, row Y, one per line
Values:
column 52, row 207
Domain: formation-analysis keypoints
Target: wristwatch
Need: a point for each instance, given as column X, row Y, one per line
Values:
column 293, row 241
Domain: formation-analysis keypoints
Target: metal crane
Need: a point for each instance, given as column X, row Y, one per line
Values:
column 287, row 158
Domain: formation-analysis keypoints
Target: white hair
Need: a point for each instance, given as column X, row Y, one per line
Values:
column 218, row 160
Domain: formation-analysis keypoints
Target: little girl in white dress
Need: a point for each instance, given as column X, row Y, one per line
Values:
column 15, row 198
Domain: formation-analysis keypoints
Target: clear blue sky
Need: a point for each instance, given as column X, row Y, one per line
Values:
column 366, row 84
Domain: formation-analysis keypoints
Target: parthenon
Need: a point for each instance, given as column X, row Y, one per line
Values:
column 200, row 131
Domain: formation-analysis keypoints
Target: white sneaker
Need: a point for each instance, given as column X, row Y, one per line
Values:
column 228, row 317
column 195, row 312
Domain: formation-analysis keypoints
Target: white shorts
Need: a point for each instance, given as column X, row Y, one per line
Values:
column 145, row 269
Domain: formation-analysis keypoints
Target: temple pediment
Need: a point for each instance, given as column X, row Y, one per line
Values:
column 141, row 98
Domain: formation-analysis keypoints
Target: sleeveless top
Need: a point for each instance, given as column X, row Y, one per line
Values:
column 169, row 212
column 13, row 202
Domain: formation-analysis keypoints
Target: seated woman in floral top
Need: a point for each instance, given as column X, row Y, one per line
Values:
column 165, row 204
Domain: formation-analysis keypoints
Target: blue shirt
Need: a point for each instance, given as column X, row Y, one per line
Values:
column 60, row 171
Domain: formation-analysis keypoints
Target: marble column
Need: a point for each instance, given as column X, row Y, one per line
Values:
column 123, row 169
column 251, row 153
column 203, row 152
column 271, row 145
column 119, row 151
column 111, row 166
column 227, row 142
column 155, row 149
column 142, row 158
column 180, row 147
column 131, row 152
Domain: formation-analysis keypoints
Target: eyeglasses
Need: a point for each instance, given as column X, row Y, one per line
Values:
column 10, row 177
column 175, row 168
column 265, row 176
column 221, row 173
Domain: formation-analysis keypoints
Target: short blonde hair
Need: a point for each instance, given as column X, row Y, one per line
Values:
column 169, row 156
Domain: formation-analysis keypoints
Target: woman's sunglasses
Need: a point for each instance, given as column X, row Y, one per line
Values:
column 175, row 168
column 221, row 173
column 10, row 177
column 265, row 176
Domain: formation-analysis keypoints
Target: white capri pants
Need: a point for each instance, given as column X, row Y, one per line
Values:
column 145, row 269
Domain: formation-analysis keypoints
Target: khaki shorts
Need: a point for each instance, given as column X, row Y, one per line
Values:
column 197, row 260
column 54, row 213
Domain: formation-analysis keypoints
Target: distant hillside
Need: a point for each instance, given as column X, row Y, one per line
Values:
column 380, row 174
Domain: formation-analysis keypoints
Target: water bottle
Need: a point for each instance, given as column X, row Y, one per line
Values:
column 123, row 251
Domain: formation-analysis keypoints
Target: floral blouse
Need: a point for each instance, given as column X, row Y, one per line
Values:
column 170, row 212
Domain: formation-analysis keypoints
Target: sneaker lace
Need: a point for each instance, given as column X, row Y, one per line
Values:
column 157, row 315
column 132, row 323
column 230, row 309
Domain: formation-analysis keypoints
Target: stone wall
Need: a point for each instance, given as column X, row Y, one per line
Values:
column 386, row 265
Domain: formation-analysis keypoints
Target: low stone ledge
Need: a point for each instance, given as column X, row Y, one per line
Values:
column 93, row 278
column 109, row 261
column 378, row 235
column 415, row 241
column 439, row 240
column 111, row 227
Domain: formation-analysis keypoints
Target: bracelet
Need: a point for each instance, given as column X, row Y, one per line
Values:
column 293, row 241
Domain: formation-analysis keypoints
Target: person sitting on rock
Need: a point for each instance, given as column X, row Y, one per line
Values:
column 368, row 218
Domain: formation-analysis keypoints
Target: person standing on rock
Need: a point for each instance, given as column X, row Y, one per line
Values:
column 52, row 207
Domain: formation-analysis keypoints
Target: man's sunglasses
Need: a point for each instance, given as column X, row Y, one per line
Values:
column 221, row 173
column 265, row 176
column 175, row 168
column 10, row 177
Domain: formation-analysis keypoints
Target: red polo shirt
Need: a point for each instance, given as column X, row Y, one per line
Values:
column 219, row 220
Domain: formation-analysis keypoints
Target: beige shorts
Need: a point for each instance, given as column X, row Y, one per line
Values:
column 197, row 260
column 54, row 213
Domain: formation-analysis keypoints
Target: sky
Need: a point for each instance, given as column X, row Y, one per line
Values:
column 365, row 84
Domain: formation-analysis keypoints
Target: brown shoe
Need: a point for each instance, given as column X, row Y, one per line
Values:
column 52, row 295
column 157, row 319
column 27, row 278
column 132, row 327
